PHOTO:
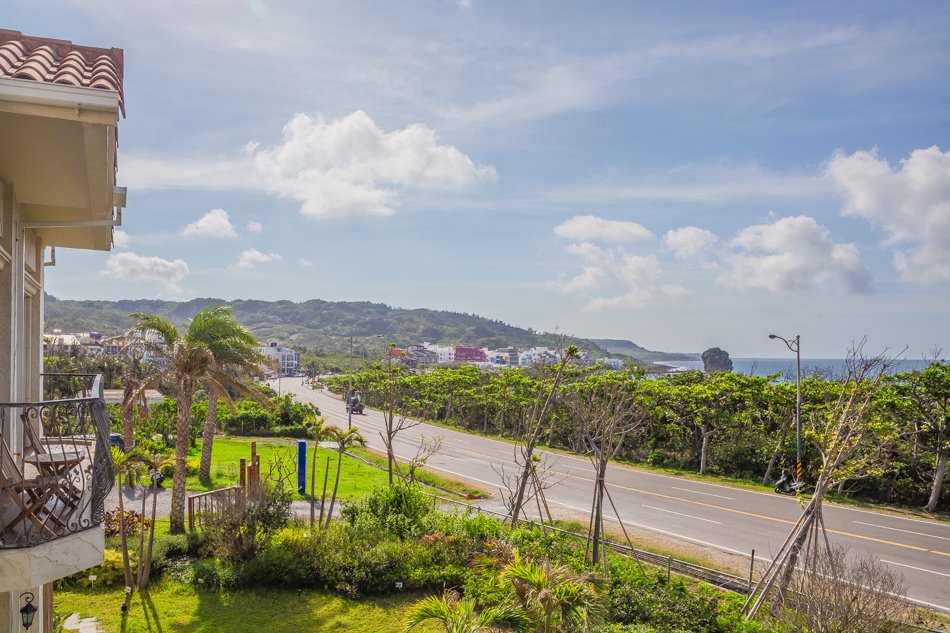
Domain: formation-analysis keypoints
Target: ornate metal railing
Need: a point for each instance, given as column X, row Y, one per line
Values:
column 56, row 468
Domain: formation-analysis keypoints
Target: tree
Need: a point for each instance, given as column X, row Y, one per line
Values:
column 344, row 440
column 393, row 424
column 524, row 453
column 317, row 430
column 234, row 349
column 458, row 615
column 127, row 465
column 190, row 362
column 137, row 377
column 926, row 397
column 154, row 463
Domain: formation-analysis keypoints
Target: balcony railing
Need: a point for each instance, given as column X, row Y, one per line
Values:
column 56, row 467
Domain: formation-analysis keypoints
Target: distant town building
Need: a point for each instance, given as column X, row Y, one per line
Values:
column 287, row 359
column 610, row 363
column 469, row 355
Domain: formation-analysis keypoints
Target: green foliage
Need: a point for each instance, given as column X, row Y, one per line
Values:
column 398, row 509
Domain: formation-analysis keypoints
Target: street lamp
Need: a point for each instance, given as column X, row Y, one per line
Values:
column 795, row 346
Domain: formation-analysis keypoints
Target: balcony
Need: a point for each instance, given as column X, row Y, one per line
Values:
column 55, row 463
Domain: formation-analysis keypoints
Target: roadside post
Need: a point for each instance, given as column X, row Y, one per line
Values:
column 302, row 466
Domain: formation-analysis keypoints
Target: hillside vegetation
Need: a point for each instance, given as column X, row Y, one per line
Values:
column 318, row 324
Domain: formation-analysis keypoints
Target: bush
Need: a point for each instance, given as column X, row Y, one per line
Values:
column 171, row 548
column 109, row 572
column 398, row 509
column 239, row 533
column 133, row 522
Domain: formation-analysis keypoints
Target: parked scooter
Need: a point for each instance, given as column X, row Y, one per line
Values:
column 784, row 486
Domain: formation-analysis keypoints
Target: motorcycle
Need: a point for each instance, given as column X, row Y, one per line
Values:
column 783, row 487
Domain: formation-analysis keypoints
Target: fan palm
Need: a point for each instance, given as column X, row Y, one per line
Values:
column 234, row 349
column 344, row 440
column 562, row 600
column 458, row 615
column 126, row 465
column 137, row 377
column 191, row 362
column 154, row 462
column 317, row 429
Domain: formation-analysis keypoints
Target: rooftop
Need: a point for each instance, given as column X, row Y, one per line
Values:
column 50, row 60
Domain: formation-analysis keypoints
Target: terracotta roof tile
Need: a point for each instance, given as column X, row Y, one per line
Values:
column 61, row 62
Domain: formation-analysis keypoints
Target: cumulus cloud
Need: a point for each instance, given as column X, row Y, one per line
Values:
column 254, row 227
column 120, row 239
column 793, row 253
column 306, row 263
column 252, row 257
column 215, row 223
column 128, row 266
column 634, row 279
column 593, row 228
column 911, row 205
column 689, row 242
column 349, row 166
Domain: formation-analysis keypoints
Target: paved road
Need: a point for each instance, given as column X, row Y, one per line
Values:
column 710, row 515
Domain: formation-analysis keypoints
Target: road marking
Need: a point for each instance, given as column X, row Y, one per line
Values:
column 718, row 507
column 681, row 514
column 700, row 492
column 929, row 571
column 884, row 527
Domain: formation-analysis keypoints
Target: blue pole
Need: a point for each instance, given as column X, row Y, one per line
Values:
column 302, row 466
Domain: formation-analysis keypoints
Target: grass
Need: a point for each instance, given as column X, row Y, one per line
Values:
column 356, row 478
column 173, row 606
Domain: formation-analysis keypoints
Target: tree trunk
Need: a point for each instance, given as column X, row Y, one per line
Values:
column 776, row 452
column 313, row 481
column 336, row 484
column 138, row 574
column 177, row 517
column 207, row 435
column 128, row 427
column 323, row 496
column 939, row 476
column 704, row 452
column 147, row 570
column 126, row 566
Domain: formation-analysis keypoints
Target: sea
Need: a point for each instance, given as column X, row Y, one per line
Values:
column 828, row 367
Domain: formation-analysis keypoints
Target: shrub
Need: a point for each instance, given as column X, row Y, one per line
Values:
column 109, row 572
column 133, row 522
column 398, row 509
column 239, row 533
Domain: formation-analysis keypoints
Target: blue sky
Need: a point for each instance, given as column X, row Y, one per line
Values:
column 681, row 174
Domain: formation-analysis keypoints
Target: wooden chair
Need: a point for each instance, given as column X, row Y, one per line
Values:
column 28, row 496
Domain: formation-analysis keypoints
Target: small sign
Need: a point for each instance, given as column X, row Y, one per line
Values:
column 398, row 585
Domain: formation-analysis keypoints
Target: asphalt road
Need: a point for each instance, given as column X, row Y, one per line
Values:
column 709, row 515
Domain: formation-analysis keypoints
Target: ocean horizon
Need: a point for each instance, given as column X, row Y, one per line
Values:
column 829, row 367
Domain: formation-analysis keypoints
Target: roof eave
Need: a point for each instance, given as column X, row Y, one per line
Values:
column 29, row 91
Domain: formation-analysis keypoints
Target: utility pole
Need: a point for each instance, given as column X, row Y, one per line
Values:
column 349, row 393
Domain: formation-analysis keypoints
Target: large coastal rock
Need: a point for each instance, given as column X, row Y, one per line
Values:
column 715, row 359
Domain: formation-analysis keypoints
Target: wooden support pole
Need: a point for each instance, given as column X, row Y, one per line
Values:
column 243, row 471
column 191, row 513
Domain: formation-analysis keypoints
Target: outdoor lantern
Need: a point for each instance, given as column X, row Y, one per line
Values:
column 28, row 612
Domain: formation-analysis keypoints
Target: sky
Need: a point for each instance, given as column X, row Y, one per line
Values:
column 681, row 174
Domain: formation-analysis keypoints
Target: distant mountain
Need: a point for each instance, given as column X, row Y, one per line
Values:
column 631, row 349
column 307, row 324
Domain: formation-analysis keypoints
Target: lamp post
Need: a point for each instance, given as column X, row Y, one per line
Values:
column 349, row 392
column 795, row 346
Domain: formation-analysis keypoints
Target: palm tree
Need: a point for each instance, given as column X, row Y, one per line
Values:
column 562, row 600
column 457, row 615
column 234, row 349
column 126, row 465
column 344, row 440
column 319, row 433
column 154, row 462
column 190, row 362
column 137, row 377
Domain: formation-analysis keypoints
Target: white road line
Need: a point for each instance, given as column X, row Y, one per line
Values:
column 929, row 571
column 700, row 492
column 689, row 516
column 884, row 527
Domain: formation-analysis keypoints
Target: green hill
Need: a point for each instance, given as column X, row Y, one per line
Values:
column 322, row 325
column 631, row 349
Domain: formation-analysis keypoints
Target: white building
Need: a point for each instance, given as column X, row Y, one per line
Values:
column 445, row 354
column 610, row 363
column 59, row 111
column 287, row 359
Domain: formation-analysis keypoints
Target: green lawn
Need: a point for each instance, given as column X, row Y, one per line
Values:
column 174, row 607
column 356, row 478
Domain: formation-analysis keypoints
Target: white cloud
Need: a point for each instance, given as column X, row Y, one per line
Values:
column 306, row 263
column 252, row 257
column 254, row 227
column 635, row 278
column 120, row 239
column 911, row 205
column 793, row 253
column 129, row 266
column 351, row 167
column 591, row 227
column 690, row 242
column 215, row 223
